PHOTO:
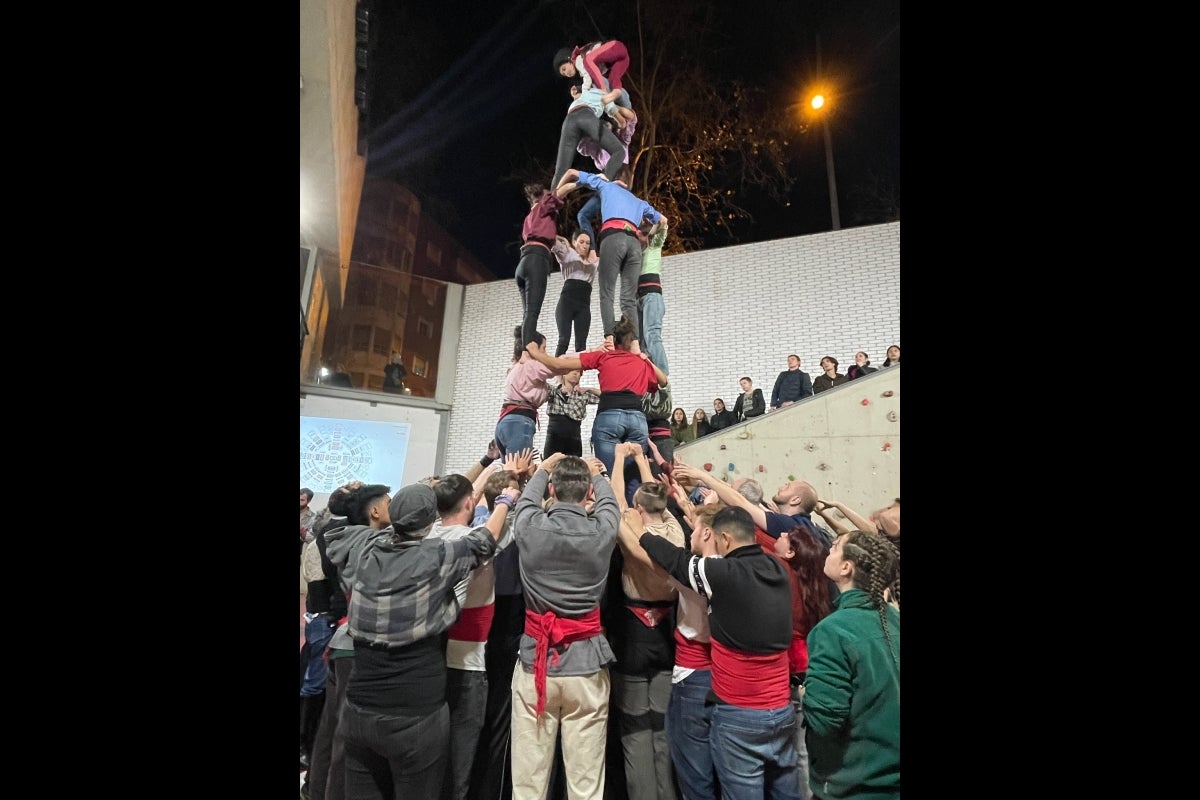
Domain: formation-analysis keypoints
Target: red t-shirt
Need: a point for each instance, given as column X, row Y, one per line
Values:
column 620, row 370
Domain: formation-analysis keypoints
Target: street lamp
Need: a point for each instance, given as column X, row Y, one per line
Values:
column 818, row 105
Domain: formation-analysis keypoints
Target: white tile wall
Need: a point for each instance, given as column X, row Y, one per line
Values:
column 731, row 311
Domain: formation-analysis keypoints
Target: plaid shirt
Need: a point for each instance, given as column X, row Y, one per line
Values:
column 403, row 589
column 573, row 405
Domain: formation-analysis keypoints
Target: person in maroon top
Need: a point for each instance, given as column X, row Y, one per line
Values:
column 624, row 377
column 538, row 235
column 750, row 616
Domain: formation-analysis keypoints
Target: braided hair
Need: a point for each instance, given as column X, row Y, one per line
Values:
column 876, row 570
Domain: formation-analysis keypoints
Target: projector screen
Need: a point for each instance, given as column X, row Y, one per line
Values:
column 336, row 451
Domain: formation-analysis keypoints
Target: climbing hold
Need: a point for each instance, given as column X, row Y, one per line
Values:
column 810, row 447
column 887, row 446
column 892, row 416
column 888, row 393
column 722, row 447
column 866, row 402
column 731, row 467
column 761, row 468
column 708, row 467
column 791, row 477
column 822, row 466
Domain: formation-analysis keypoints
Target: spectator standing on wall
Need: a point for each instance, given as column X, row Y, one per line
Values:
column 862, row 366
column 700, row 423
column 682, row 431
column 722, row 417
column 750, row 402
column 830, row 378
column 893, row 356
column 791, row 385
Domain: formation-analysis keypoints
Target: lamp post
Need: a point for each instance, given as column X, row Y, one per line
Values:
column 818, row 105
column 818, row 102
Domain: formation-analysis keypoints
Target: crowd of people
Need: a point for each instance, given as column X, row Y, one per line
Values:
column 620, row 625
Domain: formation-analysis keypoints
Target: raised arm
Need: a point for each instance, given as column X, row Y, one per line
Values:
column 493, row 452
column 643, row 464
column 629, row 535
column 561, row 364
column 659, row 375
column 570, row 178
column 504, row 502
column 856, row 519
column 728, row 495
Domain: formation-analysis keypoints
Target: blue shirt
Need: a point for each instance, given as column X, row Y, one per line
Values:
column 617, row 202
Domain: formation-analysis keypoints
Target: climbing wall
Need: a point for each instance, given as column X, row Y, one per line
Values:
column 845, row 442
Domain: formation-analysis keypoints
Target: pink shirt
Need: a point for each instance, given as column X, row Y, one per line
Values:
column 526, row 382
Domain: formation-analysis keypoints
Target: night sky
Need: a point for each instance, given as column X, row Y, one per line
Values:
column 466, row 105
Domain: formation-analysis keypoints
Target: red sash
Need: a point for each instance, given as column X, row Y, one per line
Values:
column 751, row 680
column 473, row 624
column 550, row 630
column 692, row 654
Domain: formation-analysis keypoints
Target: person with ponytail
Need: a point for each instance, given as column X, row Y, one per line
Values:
column 852, row 685
column 525, row 391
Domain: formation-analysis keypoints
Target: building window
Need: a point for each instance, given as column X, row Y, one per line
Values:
column 420, row 366
column 375, row 382
column 368, row 289
column 430, row 290
column 383, row 338
column 361, row 338
column 465, row 272
column 357, row 378
column 424, row 328
column 387, row 297
column 434, row 254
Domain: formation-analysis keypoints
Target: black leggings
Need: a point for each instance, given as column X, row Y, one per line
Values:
column 533, row 270
column 574, row 306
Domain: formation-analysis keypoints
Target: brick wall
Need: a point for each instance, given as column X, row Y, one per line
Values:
column 730, row 312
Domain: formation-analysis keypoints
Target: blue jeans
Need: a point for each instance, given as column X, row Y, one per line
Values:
column 514, row 433
column 688, row 723
column 317, row 632
column 612, row 427
column 754, row 752
column 801, row 750
column 653, row 310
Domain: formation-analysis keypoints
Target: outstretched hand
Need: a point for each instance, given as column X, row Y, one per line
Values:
column 595, row 465
column 548, row 463
column 632, row 519
column 519, row 462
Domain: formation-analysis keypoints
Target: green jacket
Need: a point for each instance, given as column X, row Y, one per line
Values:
column 683, row 435
column 852, row 703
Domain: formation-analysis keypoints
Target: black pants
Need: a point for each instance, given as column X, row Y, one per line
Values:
column 533, row 271
column 574, row 308
column 562, row 436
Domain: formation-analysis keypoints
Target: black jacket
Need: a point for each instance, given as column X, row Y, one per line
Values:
column 722, row 419
column 759, row 408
